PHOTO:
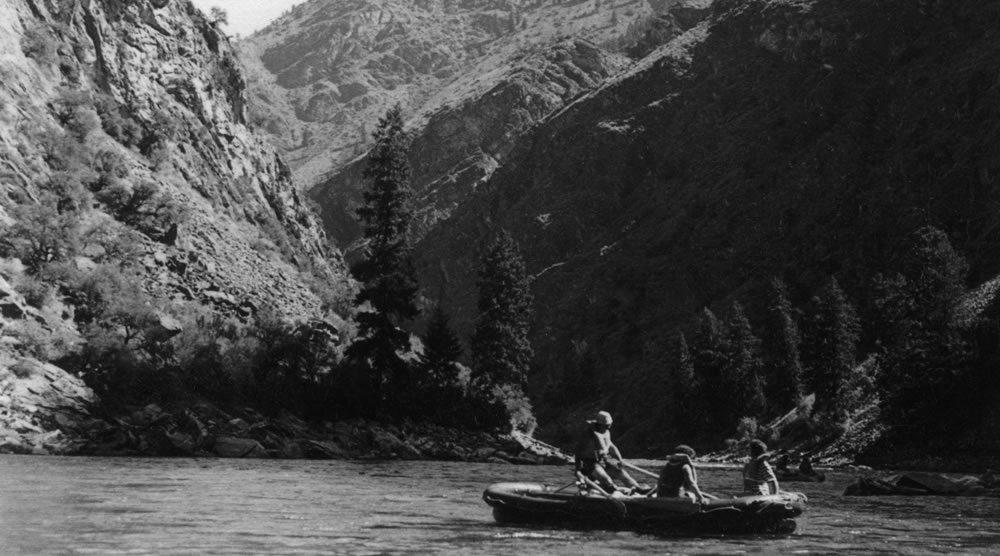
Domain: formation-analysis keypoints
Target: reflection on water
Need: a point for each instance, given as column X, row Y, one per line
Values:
column 102, row 506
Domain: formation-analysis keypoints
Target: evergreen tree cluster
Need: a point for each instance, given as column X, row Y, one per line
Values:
column 731, row 372
column 914, row 357
column 432, row 385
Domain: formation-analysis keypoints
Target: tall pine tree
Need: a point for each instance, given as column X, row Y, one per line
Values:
column 684, row 386
column 500, row 348
column 782, row 349
column 831, row 349
column 924, row 351
column 439, row 394
column 709, row 356
column 386, row 272
column 442, row 350
column 742, row 374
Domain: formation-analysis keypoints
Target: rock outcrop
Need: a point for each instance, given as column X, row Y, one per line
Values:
column 43, row 409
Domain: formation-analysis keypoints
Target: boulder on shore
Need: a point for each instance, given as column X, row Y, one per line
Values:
column 924, row 484
column 43, row 409
column 229, row 447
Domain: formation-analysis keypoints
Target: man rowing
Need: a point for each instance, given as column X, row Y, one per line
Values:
column 597, row 459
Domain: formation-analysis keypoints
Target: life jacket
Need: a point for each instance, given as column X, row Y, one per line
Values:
column 671, row 481
column 593, row 445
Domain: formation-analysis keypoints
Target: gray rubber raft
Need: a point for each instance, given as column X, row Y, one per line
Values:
column 536, row 504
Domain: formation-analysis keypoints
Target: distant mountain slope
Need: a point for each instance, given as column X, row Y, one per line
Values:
column 322, row 74
column 460, row 147
column 798, row 139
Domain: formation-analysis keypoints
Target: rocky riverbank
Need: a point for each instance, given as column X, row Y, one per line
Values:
column 44, row 410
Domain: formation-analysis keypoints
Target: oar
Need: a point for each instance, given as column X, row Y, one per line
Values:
column 640, row 470
column 651, row 474
column 618, row 503
column 644, row 472
column 565, row 487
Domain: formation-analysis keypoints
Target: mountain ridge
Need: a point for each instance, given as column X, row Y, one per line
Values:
column 424, row 55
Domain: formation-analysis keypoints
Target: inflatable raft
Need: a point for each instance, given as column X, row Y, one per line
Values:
column 531, row 503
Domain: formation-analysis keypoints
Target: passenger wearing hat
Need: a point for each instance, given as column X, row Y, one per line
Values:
column 592, row 455
column 678, row 478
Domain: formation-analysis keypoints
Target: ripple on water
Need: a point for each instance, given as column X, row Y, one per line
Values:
column 138, row 506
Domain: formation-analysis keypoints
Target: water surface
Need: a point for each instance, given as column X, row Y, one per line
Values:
column 53, row 505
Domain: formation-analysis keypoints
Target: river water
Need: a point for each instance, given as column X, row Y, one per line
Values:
column 53, row 505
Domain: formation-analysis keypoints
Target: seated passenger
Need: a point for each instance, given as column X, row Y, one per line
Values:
column 782, row 463
column 806, row 466
column 678, row 478
column 758, row 477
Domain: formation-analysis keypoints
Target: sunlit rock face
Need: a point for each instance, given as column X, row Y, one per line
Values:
column 323, row 73
column 169, row 71
column 102, row 102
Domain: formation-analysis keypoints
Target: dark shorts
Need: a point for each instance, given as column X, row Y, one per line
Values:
column 586, row 466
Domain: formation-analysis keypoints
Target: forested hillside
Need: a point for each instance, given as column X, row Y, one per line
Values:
column 840, row 152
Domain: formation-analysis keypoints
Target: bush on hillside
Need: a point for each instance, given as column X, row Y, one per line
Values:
column 75, row 111
column 110, row 167
column 40, row 235
column 293, row 362
column 215, row 354
column 116, row 123
column 37, row 293
column 504, row 407
column 160, row 132
column 142, row 205
column 38, row 44
column 69, row 188
column 43, row 342
column 60, row 150
column 124, row 360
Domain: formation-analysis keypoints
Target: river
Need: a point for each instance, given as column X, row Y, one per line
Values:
column 102, row 506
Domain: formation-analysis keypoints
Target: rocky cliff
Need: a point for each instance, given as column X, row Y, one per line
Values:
column 124, row 145
column 778, row 138
column 167, row 71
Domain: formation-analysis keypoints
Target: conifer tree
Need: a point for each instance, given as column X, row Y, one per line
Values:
column 438, row 394
column 709, row 357
column 386, row 272
column 924, row 351
column 831, row 350
column 742, row 374
column 500, row 348
column 442, row 349
column 684, row 385
column 782, row 348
